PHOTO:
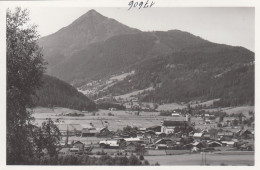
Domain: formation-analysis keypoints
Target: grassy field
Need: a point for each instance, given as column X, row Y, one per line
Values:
column 134, row 93
column 101, row 118
column 196, row 159
column 119, row 119
column 207, row 103
column 171, row 106
column 240, row 109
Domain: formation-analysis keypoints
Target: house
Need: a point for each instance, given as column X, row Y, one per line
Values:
column 149, row 133
column 161, row 146
column 175, row 114
column 74, row 150
column 206, row 115
column 191, row 134
column 112, row 109
column 147, row 140
column 132, row 147
column 64, row 151
column 228, row 143
column 184, row 135
column 212, row 116
column 225, row 135
column 197, row 135
column 198, row 145
column 170, row 144
column 245, row 134
column 140, row 135
column 103, row 132
column 168, row 127
column 69, row 129
column 188, row 146
column 142, row 129
column 194, row 149
column 207, row 121
column 177, row 134
column 247, row 147
column 92, row 131
column 206, row 135
column 124, row 142
column 228, row 123
column 179, row 141
column 135, row 140
column 155, row 128
column 214, row 144
column 79, row 145
column 89, row 132
column 113, row 143
column 162, row 141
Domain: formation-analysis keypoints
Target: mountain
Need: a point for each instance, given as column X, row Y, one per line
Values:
column 89, row 28
column 55, row 92
column 202, row 72
column 179, row 66
column 119, row 52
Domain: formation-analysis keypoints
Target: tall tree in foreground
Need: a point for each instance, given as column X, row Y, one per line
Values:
column 46, row 137
column 25, row 67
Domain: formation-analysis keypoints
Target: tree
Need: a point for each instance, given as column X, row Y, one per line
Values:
column 219, row 125
column 47, row 137
column 213, row 132
column 221, row 118
column 235, row 122
column 25, row 67
column 250, row 113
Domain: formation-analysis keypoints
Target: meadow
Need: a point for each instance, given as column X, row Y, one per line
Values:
column 226, row 158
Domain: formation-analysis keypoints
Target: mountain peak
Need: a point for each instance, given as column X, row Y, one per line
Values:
column 89, row 28
column 93, row 13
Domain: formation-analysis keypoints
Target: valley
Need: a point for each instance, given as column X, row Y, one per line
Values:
column 115, row 92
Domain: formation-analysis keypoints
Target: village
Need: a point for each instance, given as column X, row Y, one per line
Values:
column 174, row 134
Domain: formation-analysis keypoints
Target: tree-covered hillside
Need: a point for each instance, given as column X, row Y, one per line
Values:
column 200, row 74
column 55, row 92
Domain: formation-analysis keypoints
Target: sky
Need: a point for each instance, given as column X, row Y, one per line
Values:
column 233, row 26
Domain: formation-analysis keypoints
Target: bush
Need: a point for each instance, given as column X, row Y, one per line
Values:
column 100, row 153
column 146, row 162
column 110, row 114
column 219, row 125
column 141, row 157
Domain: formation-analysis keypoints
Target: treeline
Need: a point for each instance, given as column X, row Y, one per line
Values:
column 55, row 92
column 107, row 105
column 90, row 160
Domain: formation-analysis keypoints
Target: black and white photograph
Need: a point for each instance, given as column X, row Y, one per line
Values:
column 135, row 85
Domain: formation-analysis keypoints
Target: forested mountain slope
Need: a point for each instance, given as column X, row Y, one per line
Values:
column 56, row 93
